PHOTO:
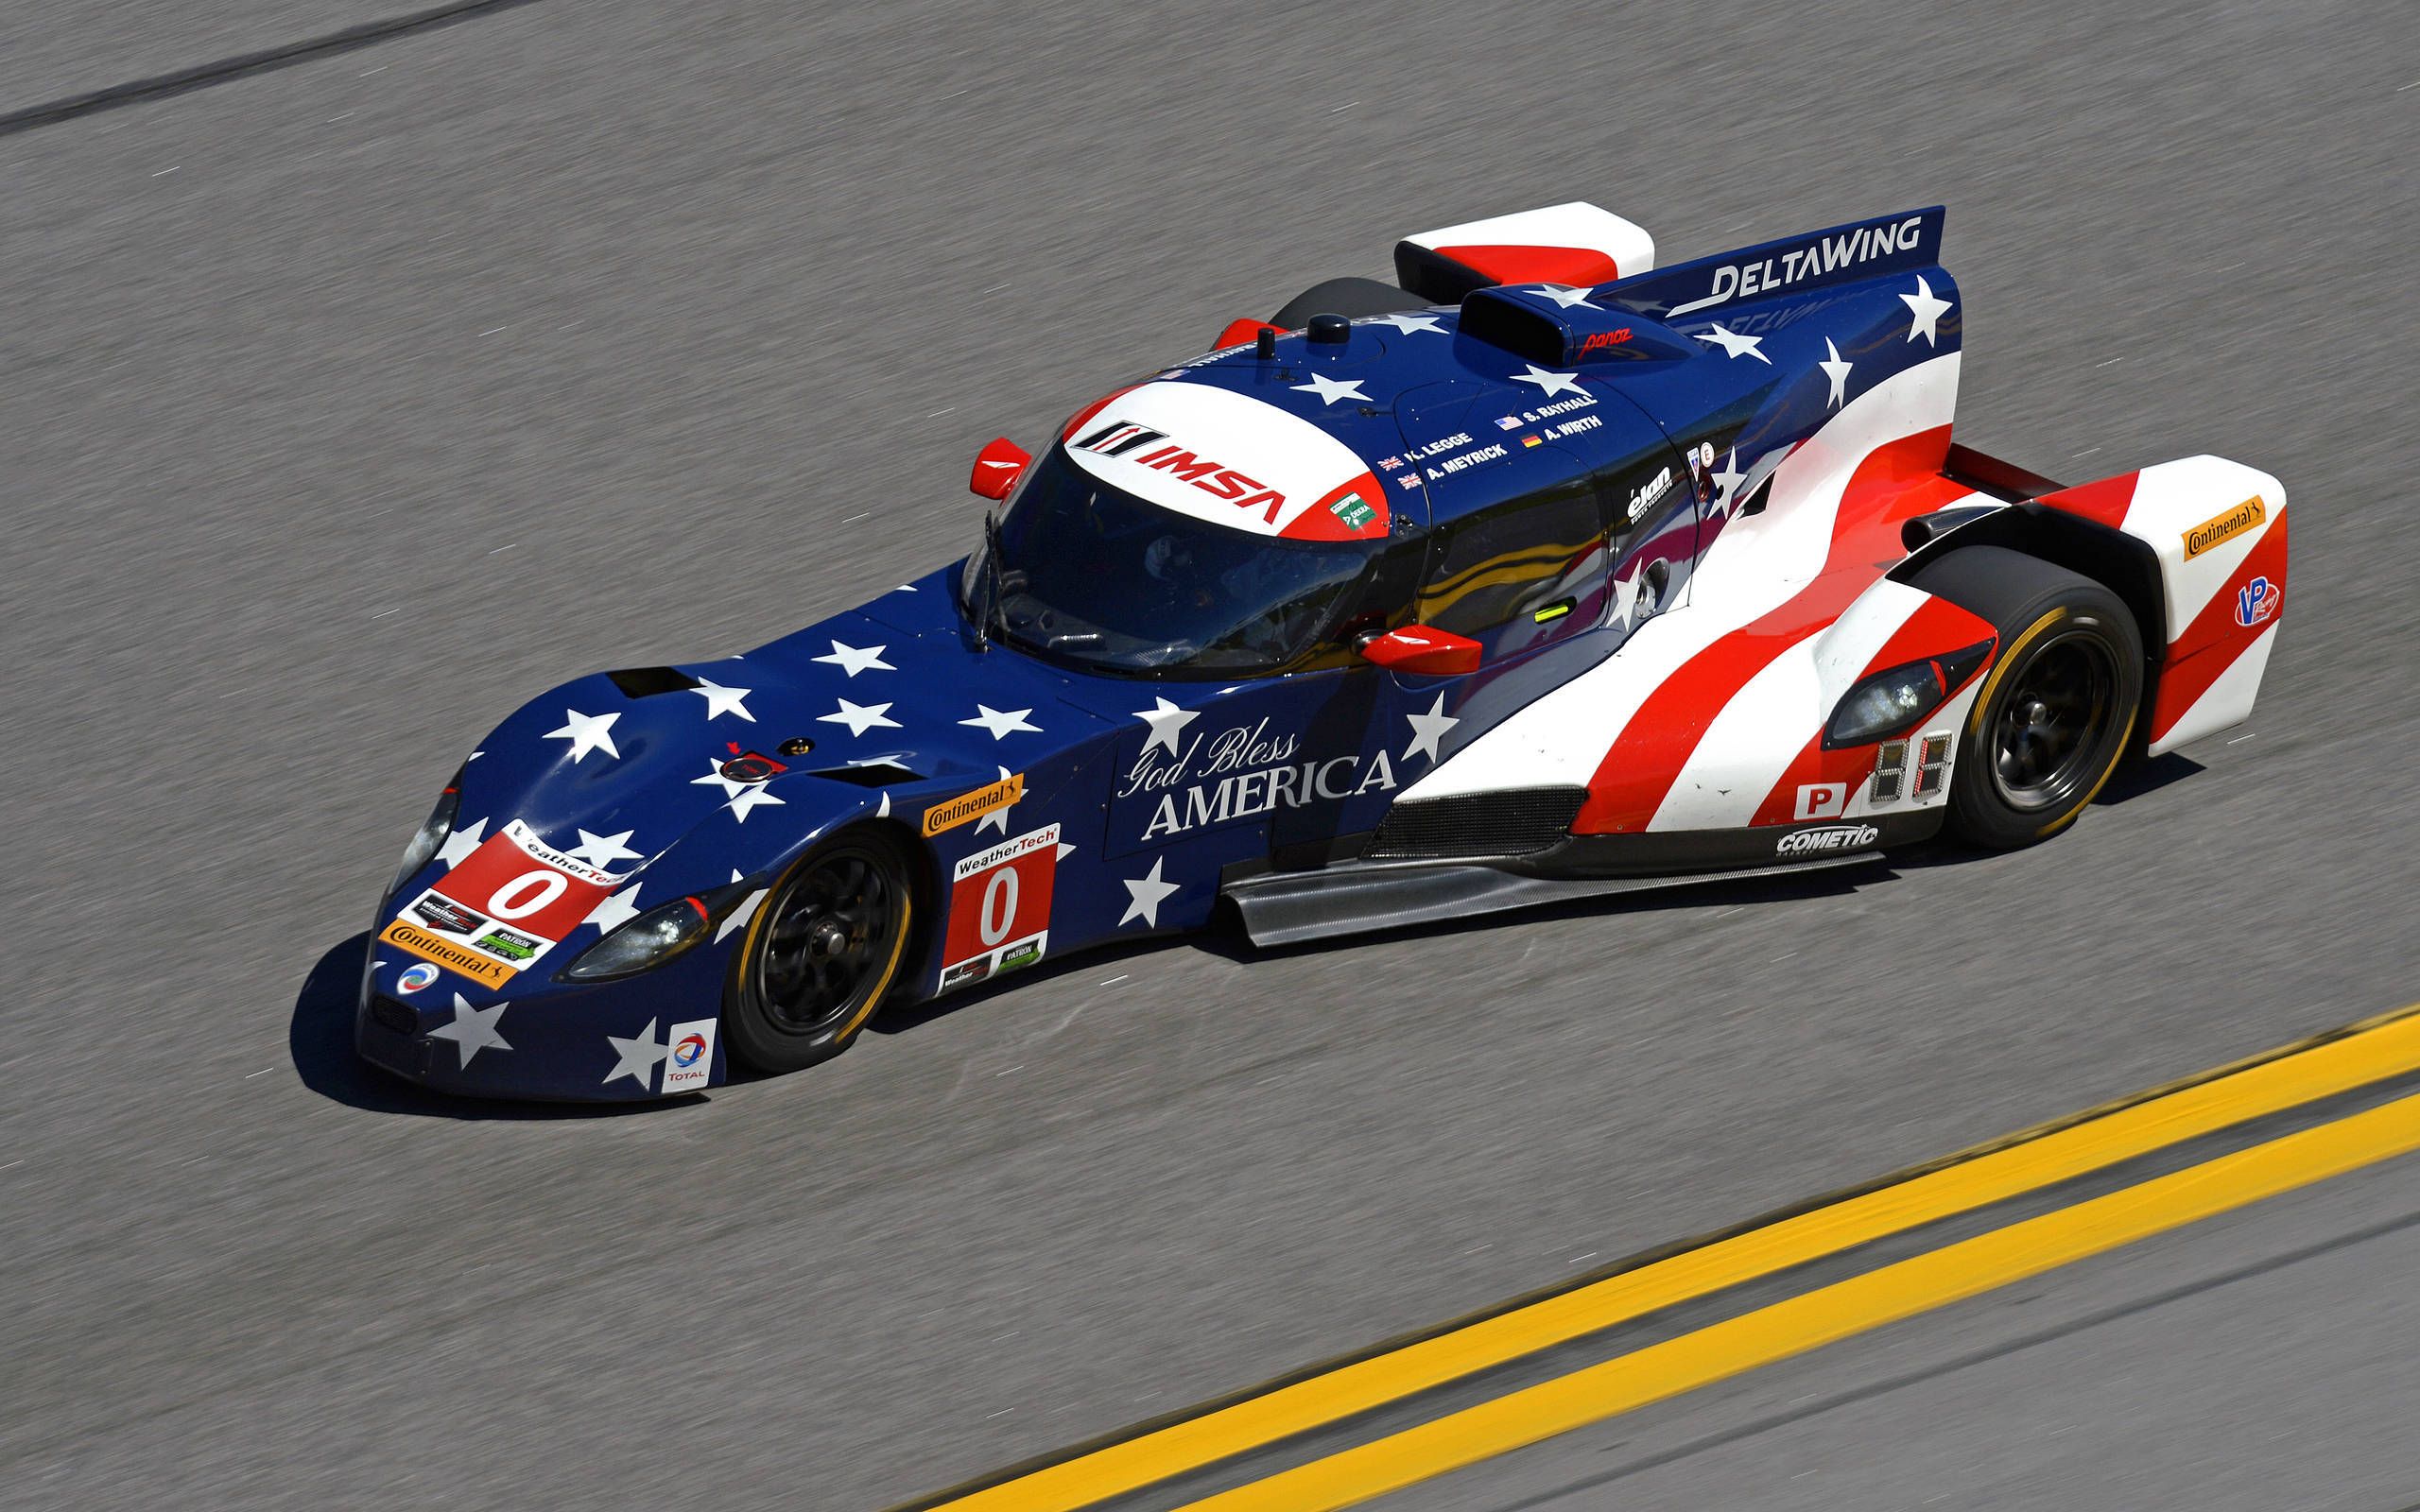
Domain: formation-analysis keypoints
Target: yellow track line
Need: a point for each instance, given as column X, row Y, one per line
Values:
column 2364, row 1052
column 1831, row 1313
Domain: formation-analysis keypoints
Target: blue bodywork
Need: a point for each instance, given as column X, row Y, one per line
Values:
column 1149, row 825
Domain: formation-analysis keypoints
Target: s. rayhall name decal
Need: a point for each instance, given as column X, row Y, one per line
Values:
column 1240, row 772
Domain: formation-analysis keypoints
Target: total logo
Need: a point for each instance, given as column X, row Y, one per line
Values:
column 2255, row 601
column 415, row 976
column 688, row 1051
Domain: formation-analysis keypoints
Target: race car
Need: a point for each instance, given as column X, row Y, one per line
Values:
column 1539, row 572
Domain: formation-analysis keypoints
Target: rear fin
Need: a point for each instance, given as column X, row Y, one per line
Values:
column 1575, row 244
column 1903, row 241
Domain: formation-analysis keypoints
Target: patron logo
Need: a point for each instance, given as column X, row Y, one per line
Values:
column 505, row 945
column 2225, row 527
column 1353, row 512
column 1819, row 842
column 1139, row 445
column 1240, row 773
column 968, row 807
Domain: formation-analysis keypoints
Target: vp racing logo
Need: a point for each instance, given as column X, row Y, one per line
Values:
column 1146, row 447
column 2255, row 601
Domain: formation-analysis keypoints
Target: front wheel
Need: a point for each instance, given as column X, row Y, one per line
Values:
column 821, row 952
column 2052, row 718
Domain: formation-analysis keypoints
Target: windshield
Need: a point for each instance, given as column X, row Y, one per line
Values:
column 1091, row 575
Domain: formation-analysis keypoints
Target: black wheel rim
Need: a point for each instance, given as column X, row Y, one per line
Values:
column 2047, row 737
column 827, row 943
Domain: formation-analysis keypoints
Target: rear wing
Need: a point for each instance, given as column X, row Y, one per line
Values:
column 1902, row 242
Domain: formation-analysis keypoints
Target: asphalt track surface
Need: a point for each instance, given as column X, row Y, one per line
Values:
column 344, row 405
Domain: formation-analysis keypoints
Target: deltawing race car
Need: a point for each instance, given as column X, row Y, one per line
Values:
column 1538, row 572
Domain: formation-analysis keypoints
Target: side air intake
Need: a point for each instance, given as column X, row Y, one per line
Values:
column 1513, row 822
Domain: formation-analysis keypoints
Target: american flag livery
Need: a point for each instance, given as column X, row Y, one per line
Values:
column 1539, row 572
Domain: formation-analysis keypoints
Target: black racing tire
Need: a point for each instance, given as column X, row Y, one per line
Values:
column 1349, row 296
column 2056, row 711
column 821, row 951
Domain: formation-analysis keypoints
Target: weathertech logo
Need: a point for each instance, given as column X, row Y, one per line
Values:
column 1839, row 837
column 2227, row 526
column 446, row 954
column 1127, row 440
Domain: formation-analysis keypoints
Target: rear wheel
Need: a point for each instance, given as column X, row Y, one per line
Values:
column 2053, row 717
column 821, row 952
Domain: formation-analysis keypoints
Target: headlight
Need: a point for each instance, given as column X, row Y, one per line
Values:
column 432, row 834
column 656, row 936
column 1890, row 702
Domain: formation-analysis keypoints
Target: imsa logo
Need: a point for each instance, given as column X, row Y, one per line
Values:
column 1123, row 439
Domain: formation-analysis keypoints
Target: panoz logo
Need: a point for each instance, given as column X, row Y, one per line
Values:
column 415, row 976
column 1600, row 340
column 2225, row 527
column 2255, row 601
column 1837, row 837
column 1142, row 446
column 968, row 807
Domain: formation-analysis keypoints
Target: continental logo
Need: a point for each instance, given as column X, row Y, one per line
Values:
column 968, row 807
column 446, row 954
column 2227, row 526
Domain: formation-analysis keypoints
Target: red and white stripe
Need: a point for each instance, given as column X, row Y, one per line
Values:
column 1651, row 731
column 1575, row 244
column 2212, row 665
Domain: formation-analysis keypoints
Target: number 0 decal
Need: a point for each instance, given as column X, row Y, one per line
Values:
column 527, row 893
column 999, row 907
column 1000, row 904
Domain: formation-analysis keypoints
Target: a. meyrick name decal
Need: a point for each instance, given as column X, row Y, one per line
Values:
column 1215, row 454
column 1241, row 772
column 507, row 904
column 999, row 908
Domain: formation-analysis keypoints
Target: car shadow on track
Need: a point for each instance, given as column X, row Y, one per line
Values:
column 1226, row 939
column 319, row 1040
column 321, row 1036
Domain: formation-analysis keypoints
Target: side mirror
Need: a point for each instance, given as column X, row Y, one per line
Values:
column 997, row 467
column 1419, row 649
